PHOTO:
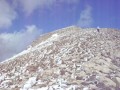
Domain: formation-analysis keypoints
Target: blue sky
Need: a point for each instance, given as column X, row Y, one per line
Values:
column 62, row 13
column 22, row 21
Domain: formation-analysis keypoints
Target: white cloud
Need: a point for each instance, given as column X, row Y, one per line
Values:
column 29, row 6
column 70, row 1
column 7, row 14
column 86, row 19
column 12, row 43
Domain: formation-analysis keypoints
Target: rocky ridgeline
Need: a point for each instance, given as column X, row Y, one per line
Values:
column 68, row 59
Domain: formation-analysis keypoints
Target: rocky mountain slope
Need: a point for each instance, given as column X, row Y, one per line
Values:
column 71, row 58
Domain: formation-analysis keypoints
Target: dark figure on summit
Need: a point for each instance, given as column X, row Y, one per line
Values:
column 98, row 29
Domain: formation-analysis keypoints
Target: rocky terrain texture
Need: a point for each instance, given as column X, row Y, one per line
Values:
column 71, row 58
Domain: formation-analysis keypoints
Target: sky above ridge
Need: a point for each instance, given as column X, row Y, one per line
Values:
column 22, row 21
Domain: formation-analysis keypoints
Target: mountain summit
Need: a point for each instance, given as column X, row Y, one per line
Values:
column 71, row 58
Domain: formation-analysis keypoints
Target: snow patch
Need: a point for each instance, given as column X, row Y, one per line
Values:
column 54, row 37
column 86, row 88
column 15, row 56
column 29, row 83
column 46, row 43
column 2, row 77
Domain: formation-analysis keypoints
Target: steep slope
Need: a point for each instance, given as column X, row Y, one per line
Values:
column 67, row 59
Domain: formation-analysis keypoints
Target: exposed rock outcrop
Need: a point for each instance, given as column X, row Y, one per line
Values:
column 68, row 59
